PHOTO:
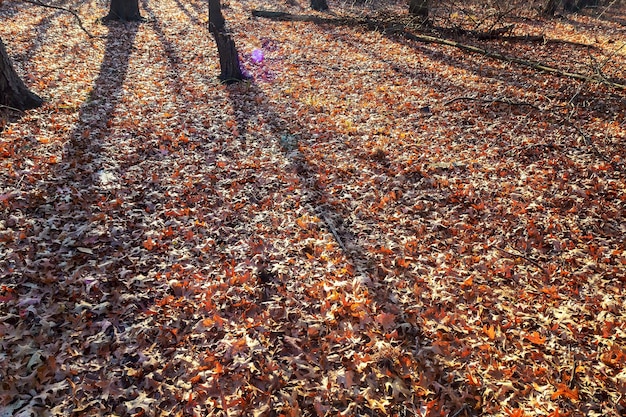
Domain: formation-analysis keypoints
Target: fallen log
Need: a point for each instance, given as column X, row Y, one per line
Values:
column 394, row 29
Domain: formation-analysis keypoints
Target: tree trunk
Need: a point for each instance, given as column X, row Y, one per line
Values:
column 319, row 5
column 420, row 9
column 586, row 3
column 13, row 91
column 570, row 6
column 550, row 9
column 124, row 10
column 229, row 58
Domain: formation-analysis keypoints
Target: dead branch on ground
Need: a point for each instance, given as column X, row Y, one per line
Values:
column 72, row 12
column 393, row 29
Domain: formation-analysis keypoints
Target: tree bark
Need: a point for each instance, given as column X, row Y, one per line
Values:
column 13, row 91
column 420, row 9
column 570, row 6
column 127, row 10
column 229, row 58
column 586, row 3
column 550, row 8
column 319, row 5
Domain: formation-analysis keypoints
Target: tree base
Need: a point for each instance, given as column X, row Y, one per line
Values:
column 230, row 81
column 116, row 18
column 124, row 10
column 319, row 5
column 22, row 99
column 13, row 92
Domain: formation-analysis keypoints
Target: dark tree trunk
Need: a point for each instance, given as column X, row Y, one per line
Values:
column 586, row 3
column 420, row 9
column 570, row 6
column 319, row 5
column 550, row 8
column 229, row 58
column 13, row 91
column 124, row 10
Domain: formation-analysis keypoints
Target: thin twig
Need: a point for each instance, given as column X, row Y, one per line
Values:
column 589, row 142
column 519, row 255
column 11, row 108
column 607, row 8
column 334, row 232
column 495, row 100
column 72, row 12
column 611, row 55
column 459, row 411
column 572, row 377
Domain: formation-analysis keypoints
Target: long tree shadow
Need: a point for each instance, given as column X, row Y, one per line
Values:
column 77, row 258
column 190, row 15
column 39, row 31
column 253, row 108
column 174, row 61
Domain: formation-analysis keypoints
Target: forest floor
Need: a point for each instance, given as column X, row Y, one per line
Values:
column 370, row 226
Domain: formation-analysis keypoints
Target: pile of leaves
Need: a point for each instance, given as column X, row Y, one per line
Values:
column 370, row 226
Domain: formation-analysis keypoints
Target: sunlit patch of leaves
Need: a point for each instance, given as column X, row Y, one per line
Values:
column 334, row 237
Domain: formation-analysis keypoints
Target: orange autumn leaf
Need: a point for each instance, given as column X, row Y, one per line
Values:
column 242, row 302
column 614, row 356
column 402, row 263
column 562, row 390
column 149, row 244
column 557, row 413
column 472, row 380
column 302, row 223
column 490, row 331
column 516, row 412
column 219, row 369
column 385, row 251
column 536, row 338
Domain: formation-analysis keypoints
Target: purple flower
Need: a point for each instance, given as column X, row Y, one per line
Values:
column 257, row 56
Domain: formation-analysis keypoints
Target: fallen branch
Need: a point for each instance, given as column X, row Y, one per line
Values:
column 501, row 57
column 2, row 106
column 288, row 17
column 498, row 33
column 332, row 229
column 544, row 40
column 589, row 142
column 491, row 101
column 72, row 12
column 520, row 255
column 607, row 8
column 390, row 28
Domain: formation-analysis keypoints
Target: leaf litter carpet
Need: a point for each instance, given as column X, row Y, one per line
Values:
column 370, row 226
